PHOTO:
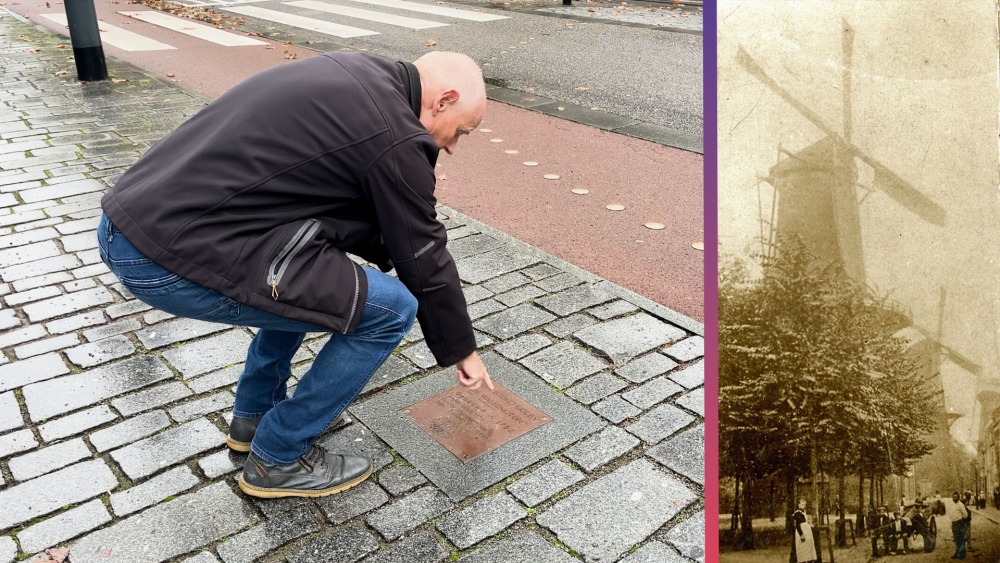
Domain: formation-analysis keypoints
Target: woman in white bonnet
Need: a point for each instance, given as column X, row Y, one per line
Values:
column 803, row 544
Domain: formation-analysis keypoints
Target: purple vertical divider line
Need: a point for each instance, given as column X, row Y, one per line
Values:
column 710, row 80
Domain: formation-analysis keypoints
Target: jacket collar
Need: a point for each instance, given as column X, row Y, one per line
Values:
column 411, row 84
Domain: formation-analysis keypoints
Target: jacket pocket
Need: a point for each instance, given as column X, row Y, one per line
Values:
column 276, row 269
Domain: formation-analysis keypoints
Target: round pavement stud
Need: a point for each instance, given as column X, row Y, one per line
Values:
column 496, row 140
column 698, row 245
column 531, row 163
column 615, row 207
column 511, row 151
column 655, row 226
column 551, row 176
column 580, row 191
column 485, row 130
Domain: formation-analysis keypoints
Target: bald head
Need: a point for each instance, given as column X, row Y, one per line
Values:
column 453, row 98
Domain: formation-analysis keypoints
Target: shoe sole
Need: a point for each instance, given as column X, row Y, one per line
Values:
column 261, row 492
column 244, row 447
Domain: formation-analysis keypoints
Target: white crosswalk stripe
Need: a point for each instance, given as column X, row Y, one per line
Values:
column 312, row 24
column 434, row 9
column 188, row 27
column 118, row 37
column 369, row 15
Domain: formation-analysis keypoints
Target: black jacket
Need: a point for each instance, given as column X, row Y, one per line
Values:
column 261, row 193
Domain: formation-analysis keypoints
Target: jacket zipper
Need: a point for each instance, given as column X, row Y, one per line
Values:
column 284, row 258
column 357, row 294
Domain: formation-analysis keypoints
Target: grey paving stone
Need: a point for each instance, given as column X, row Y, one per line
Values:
column 167, row 448
column 659, row 423
column 563, row 364
column 652, row 392
column 70, row 392
column 256, row 542
column 51, row 492
column 409, row 512
column 693, row 401
column 101, row 351
column 568, row 325
column 16, row 442
column 202, row 557
column 83, row 225
column 420, row 354
column 541, row 271
column 80, row 284
column 654, row 552
column 38, row 267
column 151, row 398
column 78, row 242
column 559, row 282
column 599, row 449
column 8, row 549
column 485, row 307
column 538, row 486
column 10, row 412
column 209, row 354
column 472, row 245
column 169, row 529
column 625, row 338
column 492, row 264
column 646, row 367
column 8, row 318
column 113, row 329
column 43, row 280
column 615, row 409
column 28, row 252
column 520, row 295
column 484, row 518
column 177, row 331
column 218, row 464
column 118, row 310
column 154, row 317
column 507, row 282
column 39, row 347
column 75, row 423
column 684, row 453
column 399, row 479
column 21, row 335
column 358, row 440
column 596, row 388
column 576, row 299
column 353, row 502
column 482, row 340
column 48, row 459
column 641, row 498
column 689, row 537
column 421, row 547
column 345, row 546
column 611, row 310
column 32, row 370
column 513, row 322
column 62, row 527
column 66, row 304
column 148, row 493
column 37, row 294
column 522, row 346
column 20, row 239
column 461, row 232
column 521, row 546
column 216, row 402
column 133, row 429
column 62, row 190
column 76, row 322
column 474, row 293
column 393, row 370
column 690, row 377
column 687, row 349
column 216, row 379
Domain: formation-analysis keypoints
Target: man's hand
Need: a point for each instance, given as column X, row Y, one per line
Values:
column 472, row 372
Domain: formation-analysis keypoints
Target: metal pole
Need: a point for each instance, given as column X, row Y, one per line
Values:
column 85, row 35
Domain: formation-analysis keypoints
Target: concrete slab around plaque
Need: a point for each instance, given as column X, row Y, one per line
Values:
column 384, row 415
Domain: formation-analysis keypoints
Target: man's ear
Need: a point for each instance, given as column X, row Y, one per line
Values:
column 444, row 99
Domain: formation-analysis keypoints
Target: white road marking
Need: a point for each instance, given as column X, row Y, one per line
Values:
column 369, row 15
column 434, row 9
column 118, row 37
column 188, row 27
column 293, row 20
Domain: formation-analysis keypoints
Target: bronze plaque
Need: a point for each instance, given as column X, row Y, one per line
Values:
column 471, row 422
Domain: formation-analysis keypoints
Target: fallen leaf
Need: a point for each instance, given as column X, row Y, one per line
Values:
column 309, row 42
column 529, row 99
column 288, row 42
column 62, row 73
column 560, row 108
column 594, row 108
column 106, row 553
column 118, row 80
column 170, row 75
column 581, row 88
column 290, row 55
column 269, row 46
column 430, row 42
column 58, row 555
column 442, row 177
column 591, row 10
column 529, row 90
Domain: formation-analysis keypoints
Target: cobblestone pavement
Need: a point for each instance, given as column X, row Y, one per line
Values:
column 113, row 416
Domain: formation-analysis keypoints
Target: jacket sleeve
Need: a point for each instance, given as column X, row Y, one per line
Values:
column 401, row 187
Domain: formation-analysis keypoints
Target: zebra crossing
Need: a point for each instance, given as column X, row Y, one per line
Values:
column 345, row 16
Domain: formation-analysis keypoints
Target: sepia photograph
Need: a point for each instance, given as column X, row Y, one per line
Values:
column 859, row 321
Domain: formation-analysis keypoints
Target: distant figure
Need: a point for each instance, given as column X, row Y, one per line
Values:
column 881, row 527
column 803, row 543
column 961, row 525
column 996, row 497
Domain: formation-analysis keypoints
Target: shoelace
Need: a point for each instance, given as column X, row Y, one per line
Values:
column 316, row 456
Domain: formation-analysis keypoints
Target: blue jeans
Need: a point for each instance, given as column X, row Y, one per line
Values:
column 338, row 373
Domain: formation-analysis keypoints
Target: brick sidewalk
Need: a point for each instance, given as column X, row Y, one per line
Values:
column 113, row 416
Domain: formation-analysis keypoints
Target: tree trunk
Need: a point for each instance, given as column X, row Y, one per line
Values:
column 789, row 499
column 814, row 470
column 771, row 500
column 747, row 515
column 861, row 502
column 734, row 521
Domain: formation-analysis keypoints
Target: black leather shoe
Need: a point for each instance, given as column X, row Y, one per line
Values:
column 316, row 474
column 242, row 430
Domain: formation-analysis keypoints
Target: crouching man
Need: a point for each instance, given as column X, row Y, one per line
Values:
column 245, row 214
